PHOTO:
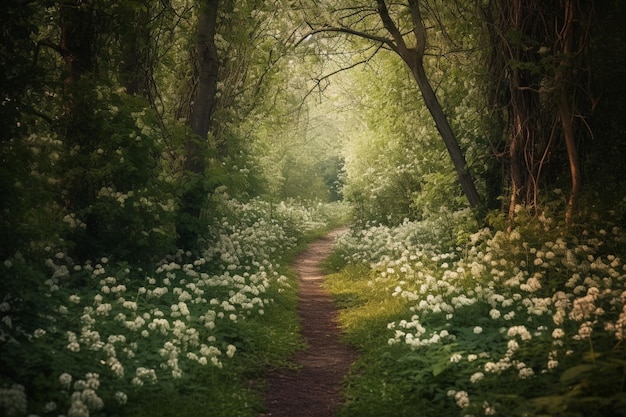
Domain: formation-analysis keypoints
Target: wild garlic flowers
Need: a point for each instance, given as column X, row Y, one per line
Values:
column 517, row 298
column 122, row 327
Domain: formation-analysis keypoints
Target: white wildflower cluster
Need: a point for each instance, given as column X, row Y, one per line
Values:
column 85, row 400
column 74, row 222
column 139, row 327
column 504, row 284
column 13, row 401
column 144, row 375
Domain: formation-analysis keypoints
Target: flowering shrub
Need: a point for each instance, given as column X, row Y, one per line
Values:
column 504, row 325
column 94, row 335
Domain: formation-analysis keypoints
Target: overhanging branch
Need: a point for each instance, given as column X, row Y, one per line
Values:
column 325, row 77
column 329, row 29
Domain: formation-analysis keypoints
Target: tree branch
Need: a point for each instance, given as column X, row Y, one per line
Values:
column 391, row 27
column 319, row 80
column 385, row 41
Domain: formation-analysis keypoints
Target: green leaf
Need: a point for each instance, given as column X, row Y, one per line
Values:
column 550, row 403
column 576, row 371
column 438, row 368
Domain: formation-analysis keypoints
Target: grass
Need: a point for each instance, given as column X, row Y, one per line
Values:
column 377, row 385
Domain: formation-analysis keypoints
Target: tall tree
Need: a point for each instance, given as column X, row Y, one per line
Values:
column 78, row 38
column 407, row 37
column 540, row 53
column 202, row 109
column 206, row 89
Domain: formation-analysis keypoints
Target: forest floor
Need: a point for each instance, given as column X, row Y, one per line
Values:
column 313, row 388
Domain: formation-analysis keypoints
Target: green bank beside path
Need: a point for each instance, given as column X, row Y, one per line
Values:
column 527, row 323
column 189, row 336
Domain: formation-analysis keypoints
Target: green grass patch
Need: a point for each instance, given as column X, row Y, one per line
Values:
column 385, row 381
column 365, row 307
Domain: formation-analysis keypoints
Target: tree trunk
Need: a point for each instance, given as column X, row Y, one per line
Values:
column 413, row 57
column 565, row 114
column 205, row 96
column 194, row 195
column 448, row 136
column 78, row 36
column 565, row 111
column 541, row 65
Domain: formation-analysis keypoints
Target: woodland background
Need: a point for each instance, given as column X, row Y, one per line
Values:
column 135, row 131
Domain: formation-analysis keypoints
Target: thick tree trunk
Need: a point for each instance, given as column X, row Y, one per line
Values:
column 78, row 36
column 194, row 196
column 131, row 69
column 205, row 96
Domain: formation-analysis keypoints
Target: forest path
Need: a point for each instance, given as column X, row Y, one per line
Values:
column 314, row 388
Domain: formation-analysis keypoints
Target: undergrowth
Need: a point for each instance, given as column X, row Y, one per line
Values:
column 191, row 335
column 526, row 323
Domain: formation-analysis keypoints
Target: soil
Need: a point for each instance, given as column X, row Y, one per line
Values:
column 314, row 387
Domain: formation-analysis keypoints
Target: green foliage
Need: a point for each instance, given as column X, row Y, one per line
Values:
column 396, row 164
column 523, row 324
column 28, row 220
column 24, row 213
column 117, row 206
column 114, row 337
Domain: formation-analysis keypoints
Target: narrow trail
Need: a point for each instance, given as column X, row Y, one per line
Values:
column 314, row 388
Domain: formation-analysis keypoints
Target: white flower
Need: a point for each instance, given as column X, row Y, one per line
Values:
column 585, row 330
column 519, row 331
column 78, row 409
column 478, row 330
column 73, row 347
column 66, row 380
column 91, row 400
column 455, row 358
column 558, row 333
column 39, row 333
column 476, row 377
column 121, row 397
column 230, row 350
column 525, row 373
column 462, row 399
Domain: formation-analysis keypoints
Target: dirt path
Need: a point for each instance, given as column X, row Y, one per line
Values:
column 314, row 389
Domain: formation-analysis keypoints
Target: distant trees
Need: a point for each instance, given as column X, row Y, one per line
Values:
column 121, row 117
column 402, row 29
